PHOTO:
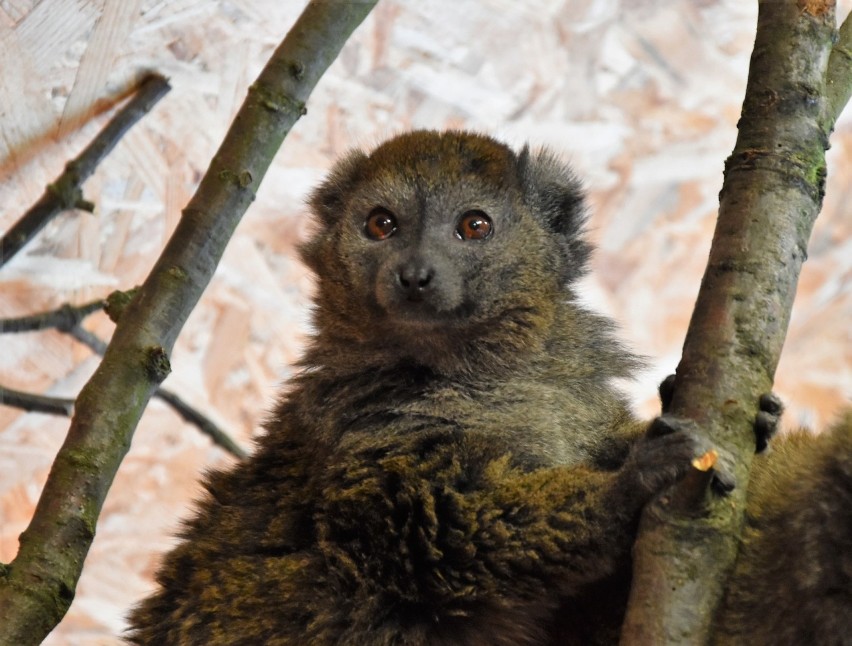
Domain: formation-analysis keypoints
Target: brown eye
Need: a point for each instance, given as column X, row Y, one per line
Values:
column 474, row 225
column 380, row 224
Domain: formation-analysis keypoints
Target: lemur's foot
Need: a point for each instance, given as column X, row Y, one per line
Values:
column 766, row 424
column 670, row 427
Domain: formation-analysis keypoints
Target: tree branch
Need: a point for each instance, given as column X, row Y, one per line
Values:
column 67, row 319
column 89, row 339
column 64, row 318
column 36, row 403
column 65, row 407
column 773, row 190
column 66, row 192
column 838, row 76
column 204, row 423
column 181, row 407
column 37, row 587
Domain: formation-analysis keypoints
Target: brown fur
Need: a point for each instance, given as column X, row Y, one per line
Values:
column 452, row 465
column 792, row 583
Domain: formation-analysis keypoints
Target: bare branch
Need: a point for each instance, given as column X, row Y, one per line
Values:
column 66, row 191
column 89, row 339
column 67, row 319
column 205, row 424
column 773, row 190
column 65, row 407
column 64, row 318
column 838, row 76
column 36, row 403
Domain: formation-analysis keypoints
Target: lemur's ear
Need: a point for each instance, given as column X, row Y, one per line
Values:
column 327, row 199
column 328, row 202
column 554, row 193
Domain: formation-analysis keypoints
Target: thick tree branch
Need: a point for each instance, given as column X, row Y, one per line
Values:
column 37, row 587
column 66, row 191
column 773, row 190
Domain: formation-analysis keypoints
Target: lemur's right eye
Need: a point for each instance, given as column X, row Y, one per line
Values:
column 380, row 224
column 474, row 225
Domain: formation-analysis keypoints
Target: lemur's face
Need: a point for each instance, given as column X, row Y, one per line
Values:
column 430, row 241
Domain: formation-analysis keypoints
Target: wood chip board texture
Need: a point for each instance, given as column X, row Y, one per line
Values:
column 642, row 97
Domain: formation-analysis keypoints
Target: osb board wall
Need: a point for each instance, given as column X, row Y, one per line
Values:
column 642, row 97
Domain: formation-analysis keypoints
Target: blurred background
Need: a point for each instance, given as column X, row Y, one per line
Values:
column 641, row 96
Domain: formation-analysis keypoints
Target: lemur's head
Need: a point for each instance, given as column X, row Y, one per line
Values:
column 438, row 241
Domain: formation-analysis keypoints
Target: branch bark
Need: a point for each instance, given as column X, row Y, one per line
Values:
column 773, row 190
column 66, row 192
column 38, row 586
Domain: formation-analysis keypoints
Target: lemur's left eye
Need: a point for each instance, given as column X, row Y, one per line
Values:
column 474, row 225
column 380, row 224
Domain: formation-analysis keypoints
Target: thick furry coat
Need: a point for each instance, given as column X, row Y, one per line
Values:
column 453, row 464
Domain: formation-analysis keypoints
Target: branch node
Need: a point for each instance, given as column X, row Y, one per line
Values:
column 67, row 194
column 157, row 363
column 85, row 205
column 177, row 273
column 279, row 101
column 297, row 70
column 117, row 301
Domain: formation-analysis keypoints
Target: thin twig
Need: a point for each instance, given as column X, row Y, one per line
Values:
column 33, row 403
column 67, row 318
column 89, row 339
column 207, row 426
column 66, row 191
column 36, row 403
column 64, row 318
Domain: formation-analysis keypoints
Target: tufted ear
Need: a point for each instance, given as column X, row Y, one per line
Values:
column 327, row 199
column 555, row 195
column 327, row 202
